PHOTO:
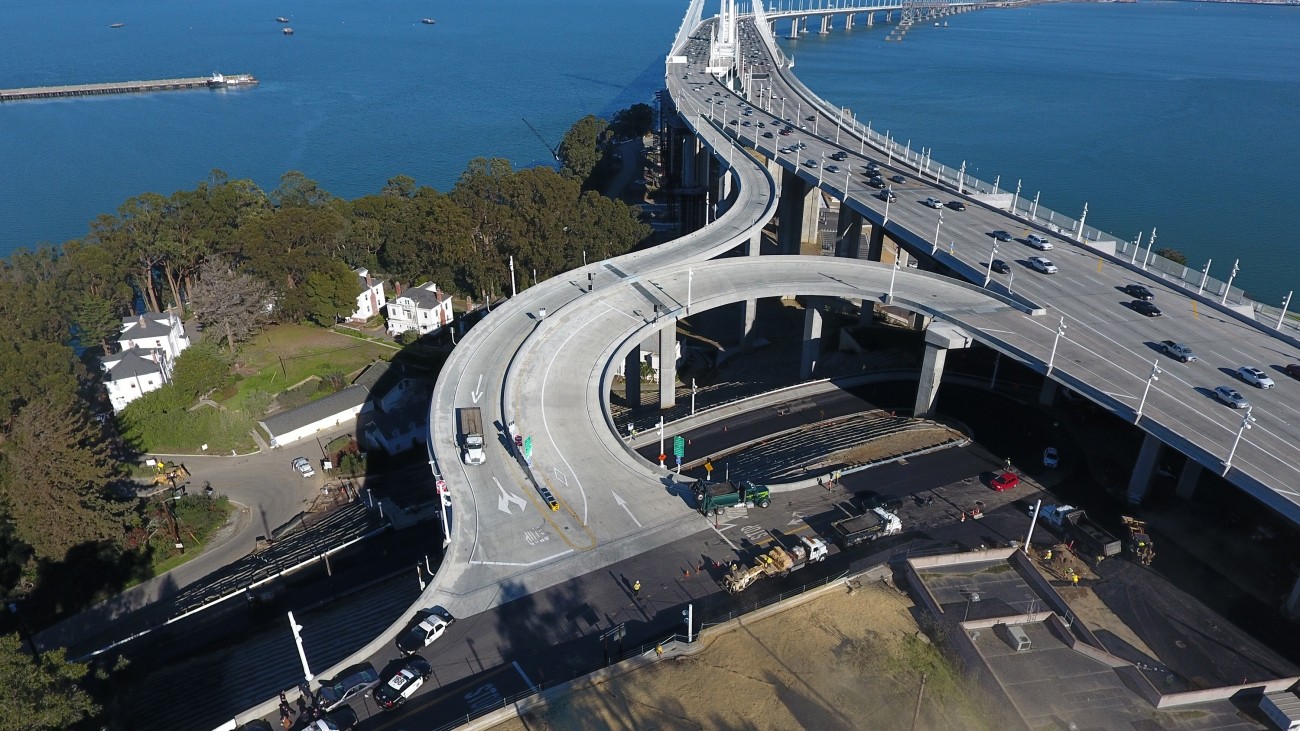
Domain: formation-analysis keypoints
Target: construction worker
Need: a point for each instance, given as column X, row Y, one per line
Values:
column 1048, row 555
column 1074, row 579
column 1008, row 463
column 636, row 588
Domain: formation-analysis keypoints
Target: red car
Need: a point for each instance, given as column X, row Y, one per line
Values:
column 1005, row 481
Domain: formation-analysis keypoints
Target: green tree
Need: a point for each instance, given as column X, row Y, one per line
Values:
column 1173, row 255
column 583, row 147
column 329, row 294
column 199, row 370
column 230, row 302
column 45, row 697
column 96, row 321
column 633, row 122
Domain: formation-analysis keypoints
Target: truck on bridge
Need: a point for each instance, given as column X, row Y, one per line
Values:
column 777, row 562
column 873, row 524
column 1088, row 538
column 712, row 497
column 471, row 435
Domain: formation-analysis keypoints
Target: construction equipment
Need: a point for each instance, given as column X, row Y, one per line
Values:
column 873, row 524
column 712, row 497
column 170, row 474
column 776, row 562
column 1139, row 545
column 1086, row 537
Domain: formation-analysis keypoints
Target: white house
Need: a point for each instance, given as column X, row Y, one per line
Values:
column 149, row 345
column 371, row 299
column 335, row 410
column 422, row 308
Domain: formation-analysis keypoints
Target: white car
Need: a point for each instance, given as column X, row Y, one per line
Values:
column 1050, row 457
column 934, row 203
column 423, row 634
column 1255, row 377
column 304, row 467
column 1038, row 242
column 1043, row 265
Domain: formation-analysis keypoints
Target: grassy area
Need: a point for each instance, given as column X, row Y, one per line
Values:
column 285, row 355
column 186, row 433
column 197, row 519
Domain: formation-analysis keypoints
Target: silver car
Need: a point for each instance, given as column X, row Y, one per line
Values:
column 1038, row 242
column 1255, row 377
column 1043, row 265
column 1231, row 397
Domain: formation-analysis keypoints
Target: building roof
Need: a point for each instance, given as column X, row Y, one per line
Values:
column 424, row 296
column 131, row 363
column 148, row 325
column 319, row 410
column 371, row 375
column 365, row 281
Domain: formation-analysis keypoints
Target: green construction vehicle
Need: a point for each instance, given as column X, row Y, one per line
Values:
column 712, row 497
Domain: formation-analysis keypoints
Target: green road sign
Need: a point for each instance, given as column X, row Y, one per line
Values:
column 528, row 448
column 679, row 447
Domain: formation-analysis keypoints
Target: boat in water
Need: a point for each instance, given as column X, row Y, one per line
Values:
column 428, row 21
column 287, row 31
column 117, row 25
column 282, row 19
column 221, row 81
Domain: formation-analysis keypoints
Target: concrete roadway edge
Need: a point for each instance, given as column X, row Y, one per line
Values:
column 672, row 648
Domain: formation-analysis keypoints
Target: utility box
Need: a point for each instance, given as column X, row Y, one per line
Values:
column 1283, row 709
column 1017, row 638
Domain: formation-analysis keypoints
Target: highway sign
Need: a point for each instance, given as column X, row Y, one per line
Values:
column 528, row 448
column 679, row 448
column 708, row 467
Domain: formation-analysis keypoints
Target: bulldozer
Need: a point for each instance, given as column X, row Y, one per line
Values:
column 1139, row 545
column 170, row 474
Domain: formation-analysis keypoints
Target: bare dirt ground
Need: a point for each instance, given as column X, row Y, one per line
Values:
column 894, row 444
column 842, row 661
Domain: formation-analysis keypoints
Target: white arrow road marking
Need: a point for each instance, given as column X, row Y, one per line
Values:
column 623, row 504
column 503, row 502
column 477, row 393
column 796, row 517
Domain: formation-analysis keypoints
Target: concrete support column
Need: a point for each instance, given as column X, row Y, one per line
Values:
column 1047, row 394
column 812, row 338
column 810, row 226
column 632, row 377
column 750, row 306
column 1140, row 482
column 871, row 19
column 848, row 233
column 826, row 24
column 1188, row 478
column 724, row 191
column 789, row 209
column 939, row 338
column 848, row 22
column 668, row 365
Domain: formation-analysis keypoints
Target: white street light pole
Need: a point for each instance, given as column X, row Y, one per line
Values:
column 1033, row 212
column 889, row 298
column 988, row 271
column 1078, row 235
column 889, row 196
column 1151, row 242
column 661, row 436
column 302, row 654
column 961, row 178
column 1060, row 330
column 938, row 222
column 1231, row 277
column 1246, row 421
column 693, row 389
column 1015, row 199
column 1011, row 279
column 1155, row 376
column 1285, row 304
column 513, row 292
column 690, row 277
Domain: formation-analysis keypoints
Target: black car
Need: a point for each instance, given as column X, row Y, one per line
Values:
column 871, row 500
column 1138, row 291
column 999, row 266
column 400, row 682
column 341, row 719
column 354, row 680
column 887, row 195
column 767, row 135
column 871, row 165
column 957, row 205
column 898, row 178
column 1001, row 235
column 841, row 156
column 1145, row 308
column 1293, row 370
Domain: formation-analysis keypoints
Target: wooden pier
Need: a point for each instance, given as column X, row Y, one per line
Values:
column 121, row 87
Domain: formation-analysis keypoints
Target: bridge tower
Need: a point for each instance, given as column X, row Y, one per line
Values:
column 722, row 47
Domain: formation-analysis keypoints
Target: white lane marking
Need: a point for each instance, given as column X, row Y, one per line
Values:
column 477, row 393
column 623, row 504
column 530, row 563
column 718, row 529
column 506, row 498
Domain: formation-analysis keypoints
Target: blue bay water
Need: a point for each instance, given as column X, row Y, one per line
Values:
column 1178, row 116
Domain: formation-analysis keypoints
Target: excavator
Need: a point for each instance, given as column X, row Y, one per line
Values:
column 170, row 474
column 1139, row 545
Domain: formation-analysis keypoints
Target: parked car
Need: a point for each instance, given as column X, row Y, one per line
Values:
column 1231, row 397
column 933, row 202
column 303, row 467
column 341, row 719
column 424, row 633
column 1142, row 307
column 1043, row 265
column 1001, row 235
column 1255, row 377
column 354, row 680
column 1137, row 291
column 999, row 266
column 1050, row 457
column 1004, row 481
column 1038, row 242
column 401, row 681
column 871, row 500
column 957, row 205
column 1179, row 351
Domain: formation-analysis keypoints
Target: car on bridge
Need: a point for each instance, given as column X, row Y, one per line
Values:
column 898, row 178
column 810, row 163
column 1038, row 242
column 1255, row 377
column 1231, row 397
column 887, row 196
column 1293, row 370
column 999, row 266
column 767, row 135
column 1000, row 235
column 933, row 202
column 1142, row 307
column 1177, row 350
column 872, row 166
column 1137, row 291
column 1004, row 481
column 832, row 168
column 957, row 205
column 401, row 681
column 876, row 183
column 1045, row 266
column 840, row 156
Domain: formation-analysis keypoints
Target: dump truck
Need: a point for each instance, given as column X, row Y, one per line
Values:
column 712, row 497
column 777, row 562
column 171, row 474
column 1088, row 538
column 471, row 435
column 1139, row 545
column 873, row 524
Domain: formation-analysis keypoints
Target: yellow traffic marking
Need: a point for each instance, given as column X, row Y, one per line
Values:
column 1195, row 313
column 1099, row 261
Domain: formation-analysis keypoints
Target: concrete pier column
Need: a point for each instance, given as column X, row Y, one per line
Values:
column 794, row 27
column 1188, row 478
column 848, row 233
column 812, row 337
column 810, row 225
column 668, row 365
column 1047, row 394
column 723, row 191
column 871, row 19
column 826, row 24
column 1145, row 468
column 876, row 244
column 790, row 209
column 939, row 338
column 848, row 21
column 750, row 306
column 632, row 377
